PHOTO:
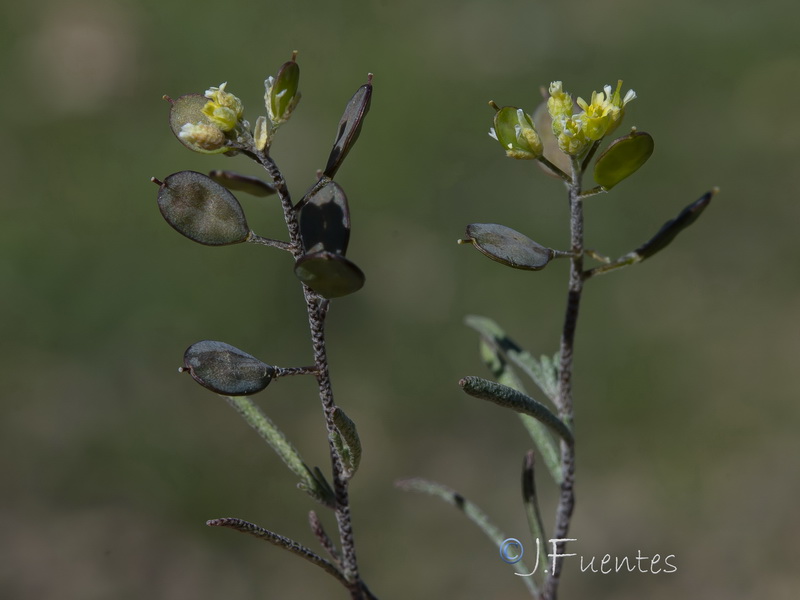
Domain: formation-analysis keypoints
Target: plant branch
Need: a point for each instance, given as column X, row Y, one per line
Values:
column 566, row 501
column 281, row 542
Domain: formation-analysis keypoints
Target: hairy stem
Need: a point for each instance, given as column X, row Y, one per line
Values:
column 317, row 309
column 566, row 501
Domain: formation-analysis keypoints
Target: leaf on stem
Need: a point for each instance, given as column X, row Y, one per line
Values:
column 201, row 209
column 507, row 246
column 623, row 158
column 347, row 442
column 280, row 541
column 530, row 498
column 325, row 220
column 243, row 183
column 539, row 433
column 349, row 127
column 316, row 487
column 544, row 378
column 502, row 395
column 225, row 369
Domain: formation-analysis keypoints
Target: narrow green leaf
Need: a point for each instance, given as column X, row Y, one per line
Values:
column 502, row 395
column 523, row 359
column 276, row 440
column 539, row 433
column 472, row 512
column 347, row 442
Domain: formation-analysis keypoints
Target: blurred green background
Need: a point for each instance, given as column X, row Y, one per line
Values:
column 686, row 391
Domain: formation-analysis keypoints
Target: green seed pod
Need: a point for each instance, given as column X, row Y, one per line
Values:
column 623, row 158
column 282, row 96
column 330, row 275
column 202, row 210
column 509, row 247
column 193, row 128
column 226, row 370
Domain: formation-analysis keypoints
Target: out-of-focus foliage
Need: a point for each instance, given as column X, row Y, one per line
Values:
column 111, row 461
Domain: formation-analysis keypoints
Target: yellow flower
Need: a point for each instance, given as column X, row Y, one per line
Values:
column 559, row 105
column 223, row 108
column 598, row 116
column 619, row 102
column 571, row 137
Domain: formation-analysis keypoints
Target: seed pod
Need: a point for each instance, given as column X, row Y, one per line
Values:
column 349, row 127
column 226, row 370
column 202, row 210
column 623, row 158
column 509, row 247
column 325, row 220
column 330, row 275
column 188, row 110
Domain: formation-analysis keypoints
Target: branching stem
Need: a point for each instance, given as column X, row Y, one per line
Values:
column 317, row 308
column 566, row 501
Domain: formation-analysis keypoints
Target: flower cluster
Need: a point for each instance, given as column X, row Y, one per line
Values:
column 575, row 132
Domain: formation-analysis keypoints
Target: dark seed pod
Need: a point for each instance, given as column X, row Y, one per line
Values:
column 330, row 275
column 673, row 227
column 202, row 210
column 623, row 158
column 243, row 183
column 325, row 220
column 349, row 127
column 508, row 246
column 226, row 370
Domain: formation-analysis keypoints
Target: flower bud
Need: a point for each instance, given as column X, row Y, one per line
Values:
column 281, row 95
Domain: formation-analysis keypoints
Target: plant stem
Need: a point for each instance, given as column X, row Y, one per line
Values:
column 566, row 501
column 317, row 309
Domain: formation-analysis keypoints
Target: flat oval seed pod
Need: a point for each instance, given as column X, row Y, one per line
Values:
column 330, row 275
column 225, row 369
column 243, row 183
column 202, row 210
column 349, row 127
column 188, row 109
column 325, row 220
column 623, row 158
column 509, row 247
